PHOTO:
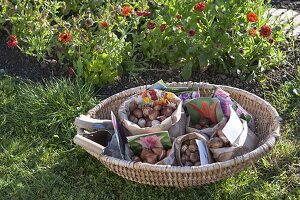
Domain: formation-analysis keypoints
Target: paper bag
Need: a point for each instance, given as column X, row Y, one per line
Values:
column 204, row 107
column 207, row 131
column 179, row 142
column 246, row 142
column 227, row 102
column 150, row 98
column 178, row 128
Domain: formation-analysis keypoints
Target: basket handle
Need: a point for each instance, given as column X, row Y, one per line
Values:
column 276, row 131
column 88, row 144
column 275, row 134
column 88, row 123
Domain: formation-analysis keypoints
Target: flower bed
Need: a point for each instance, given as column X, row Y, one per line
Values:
column 100, row 40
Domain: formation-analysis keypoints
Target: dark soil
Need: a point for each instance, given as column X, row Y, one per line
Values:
column 15, row 63
column 26, row 67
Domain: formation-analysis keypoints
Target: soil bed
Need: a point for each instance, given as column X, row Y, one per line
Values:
column 18, row 64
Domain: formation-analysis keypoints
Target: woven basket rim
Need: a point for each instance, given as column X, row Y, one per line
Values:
column 253, row 155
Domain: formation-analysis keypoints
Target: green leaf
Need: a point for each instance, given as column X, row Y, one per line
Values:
column 186, row 72
column 79, row 67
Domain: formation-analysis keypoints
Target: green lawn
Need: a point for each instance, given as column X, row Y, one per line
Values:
column 39, row 161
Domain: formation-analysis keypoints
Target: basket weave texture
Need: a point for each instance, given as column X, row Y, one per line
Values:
column 267, row 128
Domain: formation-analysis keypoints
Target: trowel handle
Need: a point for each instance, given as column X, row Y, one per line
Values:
column 91, row 124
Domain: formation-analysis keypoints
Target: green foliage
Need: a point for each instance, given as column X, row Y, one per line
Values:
column 95, row 52
column 217, row 37
column 221, row 39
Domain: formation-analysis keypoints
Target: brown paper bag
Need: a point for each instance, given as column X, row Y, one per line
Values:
column 170, row 159
column 207, row 131
column 160, row 96
column 174, row 158
column 179, row 142
column 242, row 146
column 178, row 129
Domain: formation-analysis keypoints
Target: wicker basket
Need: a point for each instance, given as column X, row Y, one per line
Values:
column 267, row 128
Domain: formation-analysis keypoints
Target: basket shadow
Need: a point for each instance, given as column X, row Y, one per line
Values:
column 78, row 175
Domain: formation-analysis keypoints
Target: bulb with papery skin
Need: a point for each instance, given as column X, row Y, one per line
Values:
column 167, row 111
column 160, row 152
column 144, row 153
column 146, row 111
column 138, row 113
column 133, row 119
column 155, row 123
column 161, row 118
column 142, row 122
column 148, row 123
column 151, row 158
column 157, row 107
column 153, row 114
column 215, row 143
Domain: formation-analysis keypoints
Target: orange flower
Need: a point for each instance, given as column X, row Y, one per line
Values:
column 164, row 101
column 252, row 32
column 126, row 10
column 65, row 37
column 252, row 17
column 265, row 31
column 104, row 24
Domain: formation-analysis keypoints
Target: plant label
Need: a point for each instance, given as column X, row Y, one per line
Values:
column 202, row 152
column 233, row 127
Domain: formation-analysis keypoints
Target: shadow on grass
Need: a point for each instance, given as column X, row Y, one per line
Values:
column 74, row 174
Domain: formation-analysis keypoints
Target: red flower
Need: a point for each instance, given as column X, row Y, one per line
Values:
column 252, row 32
column 153, row 95
column 200, row 6
column 271, row 40
column 143, row 13
column 151, row 25
column 147, row 13
column 192, row 32
column 13, row 37
column 252, row 17
column 104, row 24
column 70, row 72
column 163, row 27
column 13, row 41
column 139, row 13
column 126, row 10
column 65, row 37
column 265, row 31
column 178, row 16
